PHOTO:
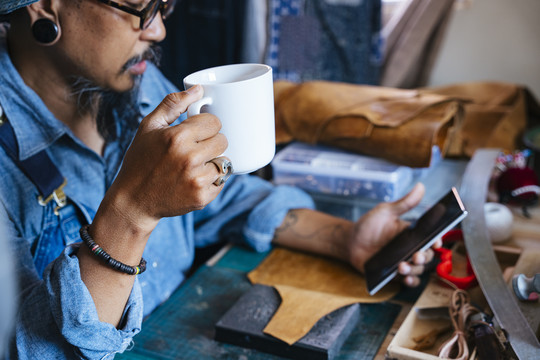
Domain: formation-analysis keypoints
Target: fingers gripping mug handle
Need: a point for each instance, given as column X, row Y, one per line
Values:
column 195, row 108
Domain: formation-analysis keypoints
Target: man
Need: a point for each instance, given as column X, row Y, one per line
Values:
column 75, row 83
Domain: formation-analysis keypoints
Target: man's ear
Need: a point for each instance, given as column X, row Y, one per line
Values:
column 43, row 9
column 44, row 21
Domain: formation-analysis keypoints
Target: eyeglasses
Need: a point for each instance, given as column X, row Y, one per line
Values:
column 147, row 14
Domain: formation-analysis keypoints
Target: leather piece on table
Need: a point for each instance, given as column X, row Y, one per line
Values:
column 300, row 310
column 399, row 125
column 310, row 287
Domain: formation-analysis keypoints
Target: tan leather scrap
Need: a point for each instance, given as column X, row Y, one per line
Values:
column 402, row 125
column 310, row 287
column 394, row 124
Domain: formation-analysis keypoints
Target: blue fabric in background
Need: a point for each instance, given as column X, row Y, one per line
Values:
column 337, row 40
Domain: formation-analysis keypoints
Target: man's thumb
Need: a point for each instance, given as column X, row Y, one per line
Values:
column 410, row 200
column 174, row 105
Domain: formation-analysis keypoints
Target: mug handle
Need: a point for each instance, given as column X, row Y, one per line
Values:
column 195, row 108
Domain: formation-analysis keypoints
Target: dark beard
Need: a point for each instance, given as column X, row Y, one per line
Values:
column 115, row 112
column 122, row 107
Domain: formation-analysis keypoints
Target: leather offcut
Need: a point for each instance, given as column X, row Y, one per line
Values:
column 310, row 287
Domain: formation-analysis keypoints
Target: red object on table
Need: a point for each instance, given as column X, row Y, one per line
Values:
column 444, row 268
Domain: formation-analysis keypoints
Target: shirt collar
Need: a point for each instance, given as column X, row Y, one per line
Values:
column 34, row 125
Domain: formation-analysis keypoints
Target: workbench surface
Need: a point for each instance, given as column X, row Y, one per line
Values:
column 183, row 327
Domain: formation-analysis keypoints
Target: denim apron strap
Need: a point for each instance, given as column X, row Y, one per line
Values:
column 39, row 168
column 60, row 228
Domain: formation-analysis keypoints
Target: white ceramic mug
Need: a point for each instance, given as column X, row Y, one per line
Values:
column 242, row 97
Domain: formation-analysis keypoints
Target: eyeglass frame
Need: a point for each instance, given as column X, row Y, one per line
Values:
column 165, row 7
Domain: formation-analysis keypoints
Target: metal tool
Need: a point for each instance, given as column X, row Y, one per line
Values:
column 526, row 288
column 507, row 313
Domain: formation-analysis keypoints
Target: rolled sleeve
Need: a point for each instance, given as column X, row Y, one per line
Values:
column 249, row 208
column 72, row 327
column 269, row 214
column 76, row 315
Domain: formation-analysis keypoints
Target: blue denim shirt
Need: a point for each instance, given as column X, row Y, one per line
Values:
column 57, row 317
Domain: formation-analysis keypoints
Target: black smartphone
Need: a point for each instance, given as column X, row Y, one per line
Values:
column 435, row 222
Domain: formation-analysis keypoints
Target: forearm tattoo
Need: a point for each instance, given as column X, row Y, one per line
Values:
column 327, row 231
column 290, row 221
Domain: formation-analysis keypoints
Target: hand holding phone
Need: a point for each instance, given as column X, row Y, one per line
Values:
column 440, row 218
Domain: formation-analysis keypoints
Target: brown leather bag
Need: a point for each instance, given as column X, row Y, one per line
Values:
column 401, row 125
column 394, row 124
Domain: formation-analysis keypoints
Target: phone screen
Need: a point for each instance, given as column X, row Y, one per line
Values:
column 435, row 222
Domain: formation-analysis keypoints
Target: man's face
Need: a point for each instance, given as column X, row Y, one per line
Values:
column 104, row 44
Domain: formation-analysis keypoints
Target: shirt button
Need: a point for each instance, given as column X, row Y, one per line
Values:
column 154, row 264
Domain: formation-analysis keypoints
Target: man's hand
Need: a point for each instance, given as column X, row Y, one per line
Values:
column 379, row 226
column 165, row 171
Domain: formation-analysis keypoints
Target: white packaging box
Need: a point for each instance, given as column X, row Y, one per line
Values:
column 325, row 170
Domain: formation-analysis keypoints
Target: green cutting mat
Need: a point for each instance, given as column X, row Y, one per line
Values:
column 183, row 327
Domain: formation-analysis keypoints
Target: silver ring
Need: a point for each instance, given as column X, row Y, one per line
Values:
column 225, row 168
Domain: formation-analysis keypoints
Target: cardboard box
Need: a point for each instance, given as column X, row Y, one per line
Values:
column 430, row 312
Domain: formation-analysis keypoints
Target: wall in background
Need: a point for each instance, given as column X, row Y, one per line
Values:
column 492, row 40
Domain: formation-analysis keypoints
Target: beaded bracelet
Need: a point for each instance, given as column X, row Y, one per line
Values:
column 113, row 263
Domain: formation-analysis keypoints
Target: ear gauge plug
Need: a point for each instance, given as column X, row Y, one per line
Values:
column 45, row 31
